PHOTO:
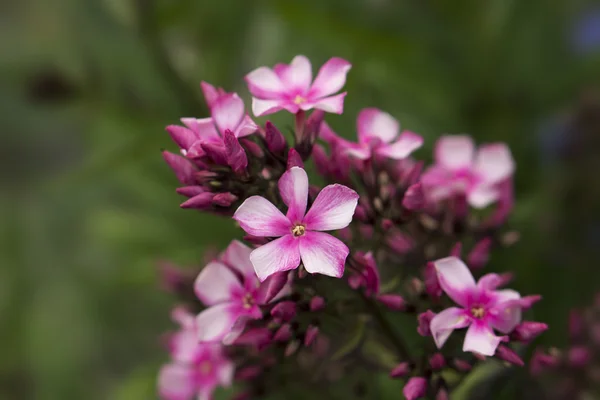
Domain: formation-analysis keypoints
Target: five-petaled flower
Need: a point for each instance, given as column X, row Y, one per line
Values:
column 459, row 170
column 232, row 293
column 299, row 232
column 483, row 307
column 196, row 368
column 289, row 87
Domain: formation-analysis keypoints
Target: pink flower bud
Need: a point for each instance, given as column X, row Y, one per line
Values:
column 541, row 362
column 252, row 148
column 442, row 394
column 578, row 356
column 415, row 388
column 361, row 213
column 575, row 324
column 399, row 242
column 294, row 159
column 387, row 224
column 201, row 201
column 366, row 231
column 508, row 355
column 283, row 334
column 236, row 155
column 394, row 302
column 526, row 331
column 183, row 168
column 224, row 199
column 313, row 125
column 215, row 151
column 437, row 361
column 272, row 286
column 424, row 322
column 528, row 301
column 411, row 174
column 311, row 334
column 462, row 365
column 321, row 160
column 432, row 285
column 259, row 241
column 400, row 370
column 259, row 337
column 248, row 373
column 190, row 191
column 275, row 140
column 456, row 250
column 414, row 198
column 284, row 311
column 345, row 234
column 317, row 303
column 480, row 254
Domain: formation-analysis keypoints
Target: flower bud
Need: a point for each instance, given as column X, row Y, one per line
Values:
column 275, row 139
column 400, row 370
column 321, row 160
column 317, row 303
column 578, row 356
column 526, row 331
column 541, row 361
column 272, row 286
column 252, row 148
column 528, row 301
column 432, row 285
column 456, row 250
column 190, row 191
column 415, row 388
column 183, row 168
column 442, row 394
column 294, row 159
column 394, row 302
column 437, row 361
column 311, row 334
column 248, row 373
column 283, row 334
column 508, row 355
column 479, row 255
column 200, row 202
column 236, row 155
column 399, row 242
column 284, row 311
column 424, row 322
column 462, row 365
column 575, row 324
column 224, row 199
column 414, row 198
column 215, row 151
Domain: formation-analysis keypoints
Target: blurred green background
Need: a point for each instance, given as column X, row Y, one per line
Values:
column 88, row 208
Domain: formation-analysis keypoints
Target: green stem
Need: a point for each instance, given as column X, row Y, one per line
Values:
column 387, row 329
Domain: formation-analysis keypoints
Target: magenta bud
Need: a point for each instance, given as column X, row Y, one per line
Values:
column 317, row 303
column 437, row 361
column 321, row 160
column 272, row 286
column 442, row 394
column 415, row 388
column 294, row 159
column 183, row 137
column 236, row 155
column 284, row 311
column 541, row 362
column 462, row 365
column 578, row 356
column 224, row 199
column 275, row 139
column 400, row 370
column 345, row 234
column 190, row 191
column 366, row 231
column 480, row 254
column 399, row 241
column 424, row 322
column 210, row 93
column 432, row 285
column 528, row 301
column 387, row 224
column 215, row 151
column 183, row 168
column 575, row 324
column 360, row 213
column 410, row 175
column 394, row 302
column 283, row 334
column 248, row 373
column 526, row 331
column 507, row 354
column 252, row 148
column 311, row 334
column 201, row 201
column 414, row 198
column 259, row 337
column 456, row 250
column 313, row 125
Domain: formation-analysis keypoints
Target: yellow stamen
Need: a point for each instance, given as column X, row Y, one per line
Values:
column 248, row 301
column 298, row 230
column 299, row 100
column 477, row 312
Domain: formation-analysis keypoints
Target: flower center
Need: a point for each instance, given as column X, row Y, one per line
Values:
column 248, row 301
column 205, row 367
column 298, row 230
column 299, row 100
column 478, row 312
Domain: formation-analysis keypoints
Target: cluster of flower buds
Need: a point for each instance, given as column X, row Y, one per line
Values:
column 383, row 237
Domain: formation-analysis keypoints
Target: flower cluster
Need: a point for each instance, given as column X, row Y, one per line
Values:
column 382, row 236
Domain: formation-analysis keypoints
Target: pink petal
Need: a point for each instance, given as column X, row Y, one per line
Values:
column 333, row 208
column 323, row 254
column 506, row 314
column 490, row 281
column 176, row 382
column 374, row 123
column 237, row 256
column 445, row 322
column 183, row 345
column 455, row 279
column 246, row 127
column 331, row 77
column 264, row 83
column 331, row 104
column 454, row 152
column 239, row 326
column 279, row 255
column 360, row 151
column 236, row 155
column 183, row 137
column 494, row 163
column 259, row 217
column 225, row 372
column 228, row 112
column 215, row 284
column 297, row 76
column 204, row 128
column 482, row 196
column 216, row 322
column 481, row 339
column 293, row 187
column 210, row 93
column 403, row 147
column 264, row 107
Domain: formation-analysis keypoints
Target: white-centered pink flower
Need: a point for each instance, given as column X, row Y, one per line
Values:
column 460, row 170
column 482, row 308
column 231, row 291
column 227, row 114
column 379, row 135
column 299, row 233
column 291, row 87
column 196, row 368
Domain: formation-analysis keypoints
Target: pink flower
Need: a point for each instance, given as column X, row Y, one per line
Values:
column 482, row 308
column 289, row 87
column 232, row 293
column 378, row 136
column 227, row 115
column 459, row 170
column 299, row 233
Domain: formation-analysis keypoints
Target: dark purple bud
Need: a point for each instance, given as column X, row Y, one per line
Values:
column 462, row 365
column 294, row 159
column 321, row 160
column 183, row 137
column 313, row 125
column 259, row 241
column 414, row 198
column 526, row 331
column 248, row 373
column 387, row 224
column 394, row 302
column 311, row 334
column 183, row 168
column 236, row 156
column 284, row 311
column 283, row 334
column 201, row 201
column 456, row 250
column 345, row 234
column 415, row 388
column 259, row 337
column 366, row 231
column 275, row 139
column 424, row 322
column 437, row 361
column 317, row 303
column 360, row 213
column 271, row 287
column 399, row 241
column 528, row 301
column 541, row 361
column 432, row 285
column 190, row 191
column 253, row 148
column 480, row 254
column 578, row 356
column 224, row 199
column 575, row 324
column 400, row 370
column 508, row 355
